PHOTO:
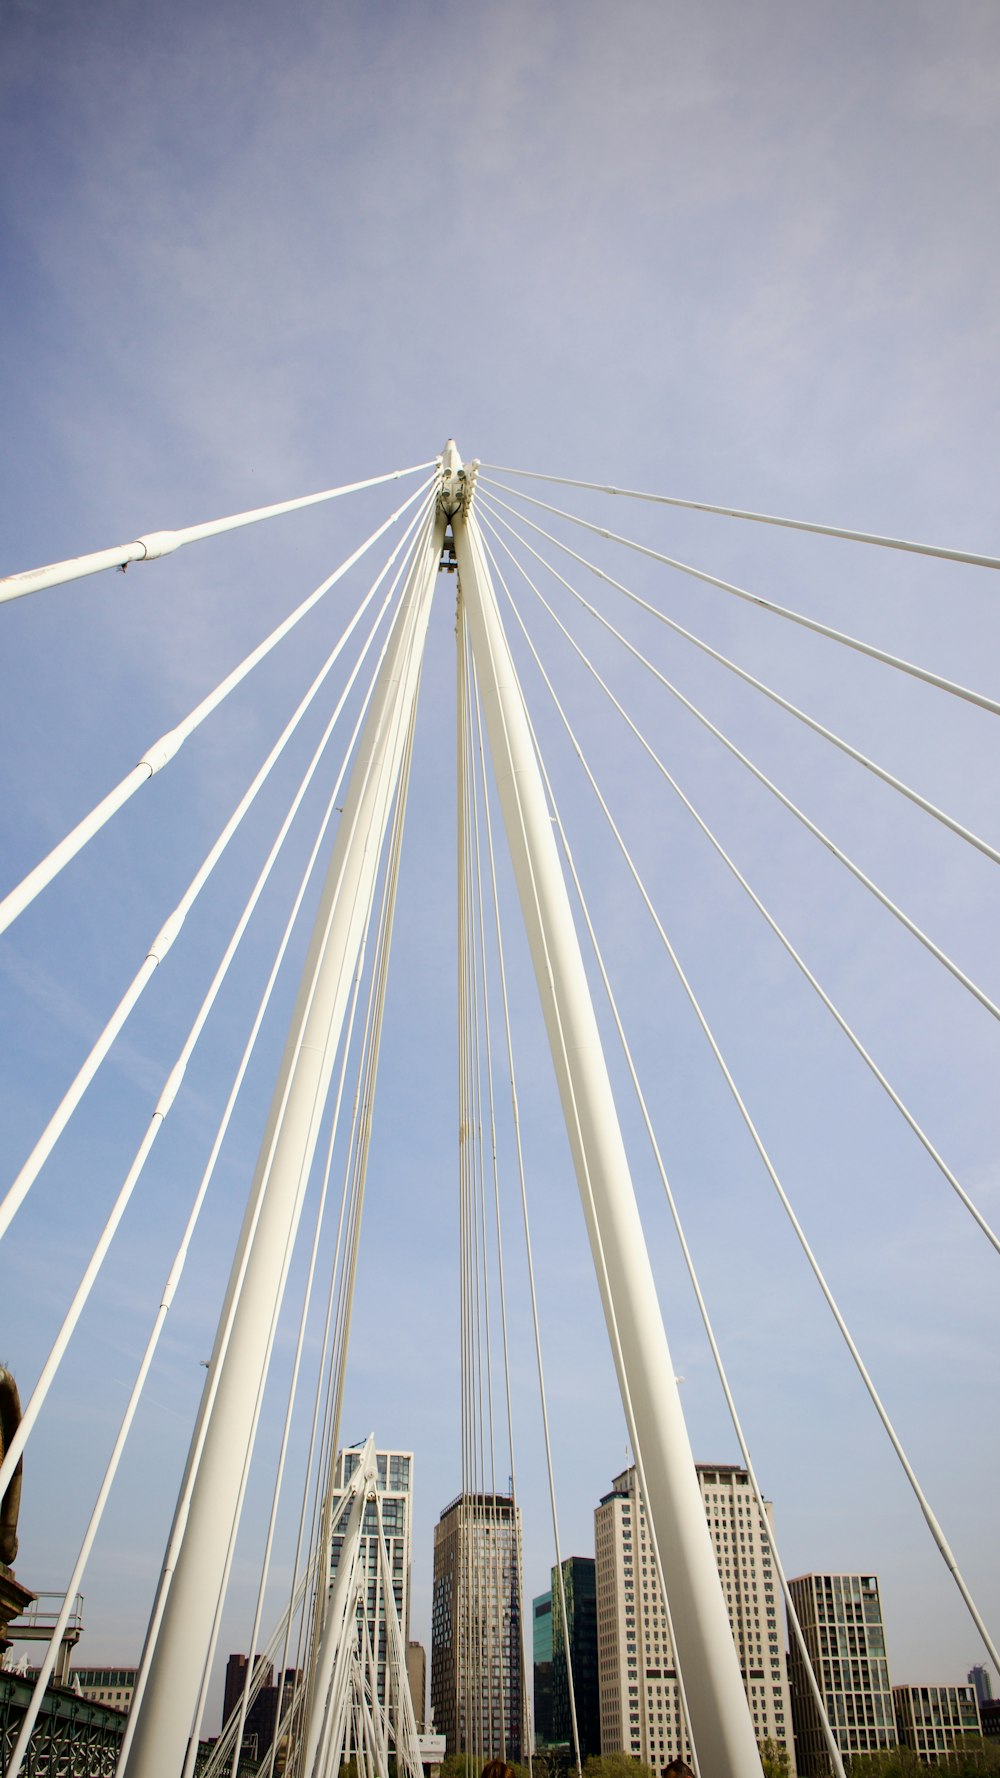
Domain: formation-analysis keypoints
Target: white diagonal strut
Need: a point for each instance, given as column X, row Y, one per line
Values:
column 195, row 1562
column 719, row 1716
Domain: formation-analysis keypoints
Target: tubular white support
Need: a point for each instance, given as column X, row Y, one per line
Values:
column 325, row 1694
column 163, row 543
column 720, row 1721
column 763, row 518
column 168, row 1704
column 162, row 750
column 795, row 617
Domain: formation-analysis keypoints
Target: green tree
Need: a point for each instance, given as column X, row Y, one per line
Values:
column 615, row 1765
column 773, row 1758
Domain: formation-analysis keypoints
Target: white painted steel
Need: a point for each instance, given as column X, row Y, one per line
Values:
column 764, row 518
column 163, row 543
column 795, row 617
column 768, row 691
column 720, row 1721
column 167, row 1707
column 162, row 750
column 779, row 932
column 991, row 1006
column 329, row 1682
column 933, row 1524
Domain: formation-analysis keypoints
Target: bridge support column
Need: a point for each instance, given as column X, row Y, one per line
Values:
column 717, row 1705
column 209, row 1509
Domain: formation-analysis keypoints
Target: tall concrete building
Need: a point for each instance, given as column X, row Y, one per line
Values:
column 574, row 1651
column 930, row 1718
column 841, row 1619
column 640, row 1703
column 477, row 1686
column 395, row 1486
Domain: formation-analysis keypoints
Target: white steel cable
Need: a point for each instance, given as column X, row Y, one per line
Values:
column 819, row 728
column 818, row 833
column 212, row 1382
column 168, row 933
column 321, row 1392
column 762, row 518
column 572, row 1114
column 265, row 1565
column 925, row 1507
column 519, row 1154
column 795, row 617
column 379, row 975
column 293, row 1384
column 173, row 1082
column 265, row 1568
column 355, row 1166
column 689, row 1263
column 220, row 1751
column 476, row 741
column 778, row 931
column 357, row 1163
column 162, row 543
column 162, row 750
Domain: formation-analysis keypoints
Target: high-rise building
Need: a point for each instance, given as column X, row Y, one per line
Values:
column 394, row 1488
column 841, row 1620
column 541, row 1649
column 980, row 1678
column 578, row 1637
column 641, row 1710
column 477, row 1686
column 930, row 1718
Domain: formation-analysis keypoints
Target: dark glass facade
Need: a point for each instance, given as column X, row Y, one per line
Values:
column 579, row 1636
column 541, row 1649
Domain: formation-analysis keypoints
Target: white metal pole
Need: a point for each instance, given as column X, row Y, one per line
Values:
column 720, row 1719
column 163, row 543
column 333, row 1640
column 166, row 1709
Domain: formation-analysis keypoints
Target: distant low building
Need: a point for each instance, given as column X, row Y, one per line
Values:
column 930, row 1718
column 105, row 1685
column 112, row 1686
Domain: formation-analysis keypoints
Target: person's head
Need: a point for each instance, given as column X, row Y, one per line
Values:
column 496, row 1768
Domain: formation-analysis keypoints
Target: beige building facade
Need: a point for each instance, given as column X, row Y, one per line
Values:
column 931, row 1718
column 641, row 1707
column 841, row 1620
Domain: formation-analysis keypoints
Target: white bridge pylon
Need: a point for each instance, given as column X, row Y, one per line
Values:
column 193, row 1574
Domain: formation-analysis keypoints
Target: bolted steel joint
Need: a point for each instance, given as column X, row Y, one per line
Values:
column 457, row 483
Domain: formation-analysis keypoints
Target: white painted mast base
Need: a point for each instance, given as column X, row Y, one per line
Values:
column 719, row 1714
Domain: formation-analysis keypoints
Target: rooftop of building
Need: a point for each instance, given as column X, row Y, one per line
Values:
column 502, row 1501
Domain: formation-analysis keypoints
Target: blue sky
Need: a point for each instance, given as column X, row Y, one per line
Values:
column 745, row 255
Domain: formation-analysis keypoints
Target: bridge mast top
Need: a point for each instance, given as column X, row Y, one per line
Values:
column 458, row 482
